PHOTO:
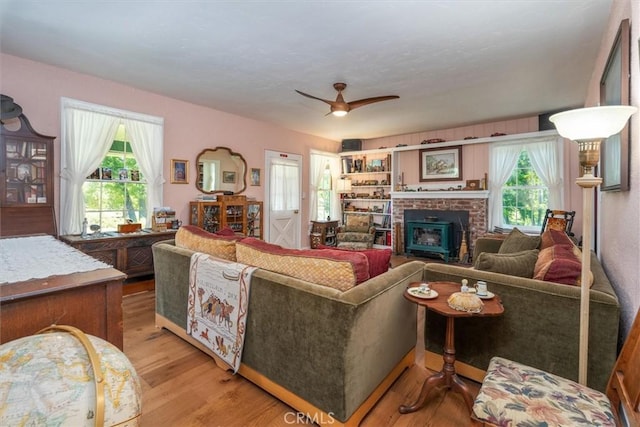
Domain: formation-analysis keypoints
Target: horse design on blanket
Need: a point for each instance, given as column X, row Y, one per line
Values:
column 216, row 310
column 217, row 305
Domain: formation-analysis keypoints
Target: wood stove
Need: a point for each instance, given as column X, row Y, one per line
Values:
column 429, row 236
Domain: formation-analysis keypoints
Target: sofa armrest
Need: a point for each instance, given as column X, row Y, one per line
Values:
column 486, row 244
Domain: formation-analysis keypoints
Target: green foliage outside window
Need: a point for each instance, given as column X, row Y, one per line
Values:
column 324, row 196
column 524, row 197
column 111, row 202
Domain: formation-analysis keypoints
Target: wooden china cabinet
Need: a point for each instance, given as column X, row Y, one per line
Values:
column 238, row 213
column 26, row 180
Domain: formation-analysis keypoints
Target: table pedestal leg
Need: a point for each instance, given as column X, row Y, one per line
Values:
column 446, row 377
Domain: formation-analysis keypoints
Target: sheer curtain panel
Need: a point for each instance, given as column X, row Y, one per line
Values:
column 88, row 131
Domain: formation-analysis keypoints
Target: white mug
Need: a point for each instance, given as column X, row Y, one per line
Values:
column 424, row 288
column 481, row 288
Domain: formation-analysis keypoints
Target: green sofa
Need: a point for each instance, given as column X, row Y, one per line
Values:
column 328, row 354
column 540, row 325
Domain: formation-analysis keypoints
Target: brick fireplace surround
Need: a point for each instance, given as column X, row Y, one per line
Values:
column 475, row 202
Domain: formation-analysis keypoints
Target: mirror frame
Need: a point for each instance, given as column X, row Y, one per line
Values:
column 231, row 153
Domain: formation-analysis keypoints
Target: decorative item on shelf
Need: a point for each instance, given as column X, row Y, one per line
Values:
column 472, row 185
column 433, row 141
column 588, row 127
column 162, row 218
column 470, row 137
column 129, row 227
column 465, row 300
column 498, row 134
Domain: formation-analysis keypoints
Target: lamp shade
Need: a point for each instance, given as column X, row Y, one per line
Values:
column 593, row 122
column 344, row 185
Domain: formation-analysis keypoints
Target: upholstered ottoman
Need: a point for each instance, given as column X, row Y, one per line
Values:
column 67, row 378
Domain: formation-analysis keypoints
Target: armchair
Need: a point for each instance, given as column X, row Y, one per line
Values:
column 357, row 232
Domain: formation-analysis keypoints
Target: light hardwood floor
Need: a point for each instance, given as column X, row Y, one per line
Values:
column 181, row 386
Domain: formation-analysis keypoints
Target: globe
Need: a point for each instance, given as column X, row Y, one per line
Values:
column 48, row 380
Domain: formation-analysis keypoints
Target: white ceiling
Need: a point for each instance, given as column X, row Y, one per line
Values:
column 452, row 62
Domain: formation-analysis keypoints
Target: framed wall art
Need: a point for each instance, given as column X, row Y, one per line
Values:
column 228, row 177
column 441, row 164
column 614, row 90
column 179, row 171
column 255, row 176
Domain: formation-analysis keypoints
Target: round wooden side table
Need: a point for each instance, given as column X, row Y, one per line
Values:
column 447, row 376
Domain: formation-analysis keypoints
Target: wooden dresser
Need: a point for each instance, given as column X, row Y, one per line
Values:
column 128, row 252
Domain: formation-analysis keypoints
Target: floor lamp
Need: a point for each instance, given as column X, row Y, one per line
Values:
column 589, row 127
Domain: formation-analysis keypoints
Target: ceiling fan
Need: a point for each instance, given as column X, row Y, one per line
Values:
column 340, row 108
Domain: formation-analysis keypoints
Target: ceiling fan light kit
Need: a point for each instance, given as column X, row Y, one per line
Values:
column 340, row 108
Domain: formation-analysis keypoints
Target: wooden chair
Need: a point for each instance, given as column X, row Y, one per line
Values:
column 558, row 220
column 516, row 394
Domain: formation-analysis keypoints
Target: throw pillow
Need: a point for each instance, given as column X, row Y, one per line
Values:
column 559, row 264
column 341, row 270
column 199, row 240
column 517, row 241
column 226, row 231
column 379, row 259
column 357, row 223
column 555, row 237
column 520, row 264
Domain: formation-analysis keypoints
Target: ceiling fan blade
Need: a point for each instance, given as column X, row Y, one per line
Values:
column 366, row 101
column 314, row 97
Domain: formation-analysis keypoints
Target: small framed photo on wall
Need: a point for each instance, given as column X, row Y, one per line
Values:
column 179, row 171
column 255, row 176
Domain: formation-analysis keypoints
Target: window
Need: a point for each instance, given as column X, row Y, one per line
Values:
column 324, row 195
column 525, row 198
column 117, row 190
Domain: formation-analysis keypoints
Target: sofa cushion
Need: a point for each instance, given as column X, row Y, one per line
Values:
column 337, row 269
column 357, row 223
column 521, row 264
column 379, row 259
column 196, row 239
column 517, row 241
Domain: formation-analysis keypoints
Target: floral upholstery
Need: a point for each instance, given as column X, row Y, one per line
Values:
column 356, row 233
column 517, row 395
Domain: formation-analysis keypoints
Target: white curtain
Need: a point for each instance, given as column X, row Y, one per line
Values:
column 284, row 186
column 88, row 131
column 319, row 161
column 545, row 161
column 502, row 160
column 87, row 139
column 147, row 145
column 334, row 166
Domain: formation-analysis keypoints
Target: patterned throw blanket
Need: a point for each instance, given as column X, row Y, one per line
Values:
column 217, row 305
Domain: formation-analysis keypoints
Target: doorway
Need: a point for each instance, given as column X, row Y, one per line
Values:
column 283, row 191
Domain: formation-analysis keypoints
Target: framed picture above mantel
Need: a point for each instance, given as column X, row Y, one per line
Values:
column 614, row 90
column 441, row 164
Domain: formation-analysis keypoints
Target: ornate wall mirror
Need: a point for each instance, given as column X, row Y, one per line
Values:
column 221, row 170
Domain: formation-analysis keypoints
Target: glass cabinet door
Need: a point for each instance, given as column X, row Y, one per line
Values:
column 27, row 171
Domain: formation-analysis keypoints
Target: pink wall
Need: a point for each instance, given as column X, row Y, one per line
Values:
column 475, row 157
column 619, row 228
column 188, row 128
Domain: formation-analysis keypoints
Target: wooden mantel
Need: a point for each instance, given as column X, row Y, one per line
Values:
column 446, row 194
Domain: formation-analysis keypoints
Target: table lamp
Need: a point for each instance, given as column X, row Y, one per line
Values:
column 589, row 127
